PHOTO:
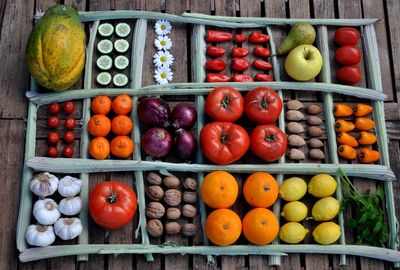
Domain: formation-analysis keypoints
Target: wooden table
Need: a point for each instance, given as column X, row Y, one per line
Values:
column 16, row 23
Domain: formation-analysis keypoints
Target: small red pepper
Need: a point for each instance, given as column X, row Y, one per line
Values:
column 258, row 37
column 262, row 65
column 240, row 52
column 261, row 77
column 215, row 64
column 215, row 51
column 215, row 77
column 261, row 51
column 218, row 36
column 240, row 38
column 240, row 64
column 242, row 78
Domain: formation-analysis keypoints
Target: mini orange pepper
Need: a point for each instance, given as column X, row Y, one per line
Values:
column 366, row 155
column 363, row 123
column 362, row 109
column 366, row 138
column 342, row 110
column 344, row 126
column 347, row 152
column 346, row 139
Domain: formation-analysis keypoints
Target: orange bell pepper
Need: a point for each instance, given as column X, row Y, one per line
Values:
column 366, row 138
column 341, row 110
column 346, row 139
column 362, row 109
column 344, row 126
column 366, row 155
column 363, row 123
column 347, row 152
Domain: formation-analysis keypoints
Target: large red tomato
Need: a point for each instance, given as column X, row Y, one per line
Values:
column 112, row 205
column 224, row 142
column 262, row 105
column 349, row 74
column 224, row 104
column 348, row 55
column 268, row 142
column 346, row 36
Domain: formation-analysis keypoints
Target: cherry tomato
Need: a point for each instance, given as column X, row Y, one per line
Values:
column 68, row 151
column 348, row 55
column 53, row 121
column 69, row 107
column 52, row 151
column 224, row 103
column 346, row 36
column 262, row 105
column 70, row 123
column 69, row 137
column 268, row 142
column 349, row 74
column 54, row 108
column 53, row 137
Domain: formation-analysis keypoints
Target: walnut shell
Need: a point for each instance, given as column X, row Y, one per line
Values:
column 155, row 227
column 190, row 183
column 155, row 193
column 172, row 227
column 153, row 179
column 155, row 210
column 189, row 211
column 173, row 213
column 172, row 197
column 189, row 229
column 190, row 196
column 171, row 182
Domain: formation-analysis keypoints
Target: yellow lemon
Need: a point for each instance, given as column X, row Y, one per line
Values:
column 293, row 189
column 294, row 211
column 292, row 232
column 326, row 233
column 322, row 185
column 325, row 209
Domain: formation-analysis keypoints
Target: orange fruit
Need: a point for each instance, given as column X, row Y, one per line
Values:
column 223, row 227
column 260, row 226
column 121, row 125
column 260, row 190
column 121, row 146
column 101, row 105
column 99, row 125
column 122, row 104
column 219, row 189
column 99, row 148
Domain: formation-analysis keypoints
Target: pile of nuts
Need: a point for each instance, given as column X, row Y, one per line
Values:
column 176, row 204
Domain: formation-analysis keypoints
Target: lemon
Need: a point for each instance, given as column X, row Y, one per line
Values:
column 294, row 211
column 326, row 233
column 293, row 189
column 292, row 232
column 322, row 185
column 325, row 209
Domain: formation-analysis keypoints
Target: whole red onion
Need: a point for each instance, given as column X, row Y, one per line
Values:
column 185, row 143
column 157, row 142
column 154, row 112
column 184, row 115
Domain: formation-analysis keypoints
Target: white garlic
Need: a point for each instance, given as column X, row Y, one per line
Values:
column 68, row 228
column 46, row 211
column 70, row 206
column 39, row 235
column 69, row 186
column 43, row 184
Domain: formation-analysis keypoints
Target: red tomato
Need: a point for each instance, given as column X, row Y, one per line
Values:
column 54, row 108
column 53, row 121
column 53, row 137
column 112, row 205
column 346, row 36
column 70, row 123
column 262, row 105
column 68, row 151
column 69, row 137
column 348, row 55
column 349, row 74
column 224, row 104
column 224, row 142
column 69, row 107
column 52, row 151
column 268, row 142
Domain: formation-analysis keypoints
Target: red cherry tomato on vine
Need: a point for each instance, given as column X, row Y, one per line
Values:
column 346, row 36
column 69, row 107
column 52, row 151
column 69, row 137
column 68, row 151
column 70, row 123
column 268, row 142
column 348, row 55
column 53, row 121
column 53, row 137
column 224, row 104
column 349, row 74
column 54, row 108
column 262, row 105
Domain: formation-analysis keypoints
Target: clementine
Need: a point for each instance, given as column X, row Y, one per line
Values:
column 223, row 227
column 121, row 146
column 260, row 189
column 99, row 148
column 219, row 189
column 101, row 105
column 99, row 125
column 122, row 104
column 260, row 226
column 121, row 125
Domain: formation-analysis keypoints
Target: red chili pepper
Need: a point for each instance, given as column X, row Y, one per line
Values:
column 215, row 77
column 258, row 37
column 261, row 51
column 218, row 36
column 215, row 51
column 261, row 77
column 240, row 52
column 240, row 38
column 215, row 64
column 242, row 78
column 240, row 64
column 262, row 65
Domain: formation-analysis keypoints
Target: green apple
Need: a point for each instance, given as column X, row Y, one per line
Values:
column 303, row 63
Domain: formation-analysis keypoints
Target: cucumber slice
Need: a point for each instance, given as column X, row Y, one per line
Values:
column 121, row 45
column 104, row 62
column 120, row 80
column 105, row 46
column 122, row 30
column 103, row 78
column 106, row 29
column 121, row 62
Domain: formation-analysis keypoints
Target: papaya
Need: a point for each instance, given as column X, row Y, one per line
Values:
column 55, row 51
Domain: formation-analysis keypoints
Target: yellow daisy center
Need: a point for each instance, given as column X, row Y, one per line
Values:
column 163, row 43
column 163, row 75
column 163, row 27
column 163, row 59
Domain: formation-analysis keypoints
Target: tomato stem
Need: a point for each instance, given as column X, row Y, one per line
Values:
column 112, row 197
column 269, row 137
column 224, row 137
column 226, row 102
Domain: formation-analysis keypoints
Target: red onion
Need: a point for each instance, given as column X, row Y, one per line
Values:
column 157, row 142
column 154, row 112
column 184, row 115
column 185, row 143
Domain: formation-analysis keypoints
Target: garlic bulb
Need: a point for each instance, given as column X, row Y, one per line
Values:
column 69, row 186
column 68, row 228
column 46, row 211
column 43, row 184
column 70, row 206
column 39, row 235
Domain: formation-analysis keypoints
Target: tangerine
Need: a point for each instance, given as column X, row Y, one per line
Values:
column 122, row 104
column 121, row 125
column 101, row 105
column 99, row 125
column 260, row 190
column 260, row 226
column 223, row 227
column 219, row 189
column 99, row 148
column 121, row 146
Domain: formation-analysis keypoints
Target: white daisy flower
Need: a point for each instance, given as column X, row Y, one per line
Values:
column 163, row 43
column 163, row 27
column 162, row 58
column 163, row 75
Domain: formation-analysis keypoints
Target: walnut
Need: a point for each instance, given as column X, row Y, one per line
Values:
column 172, row 197
column 155, row 210
column 189, row 196
column 189, row 211
column 172, row 227
column 189, row 229
column 154, row 179
column 155, row 227
column 173, row 213
column 155, row 193
column 171, row 182
column 190, row 183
